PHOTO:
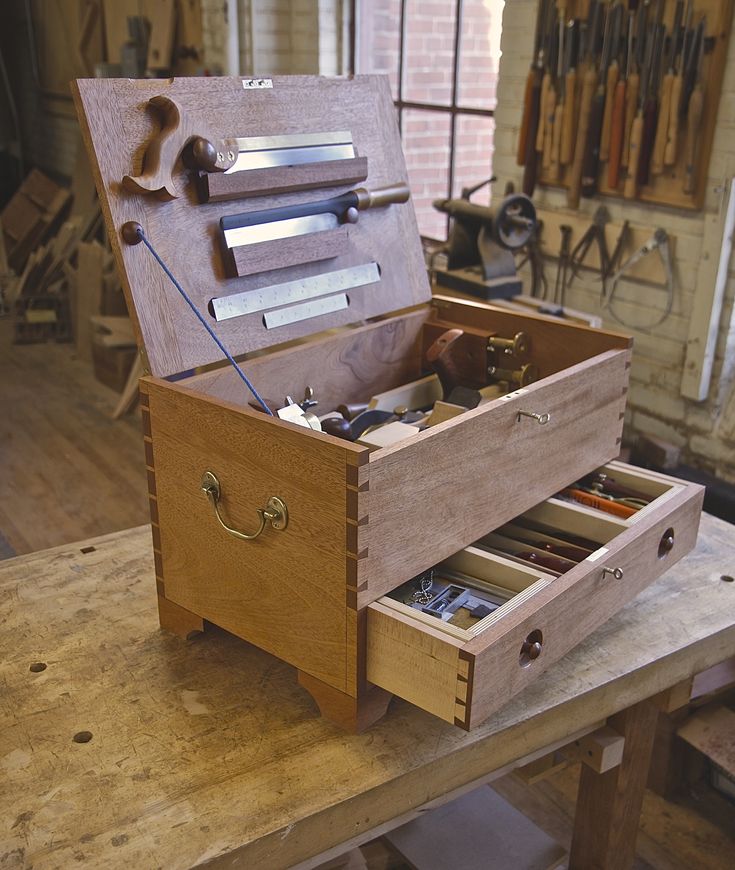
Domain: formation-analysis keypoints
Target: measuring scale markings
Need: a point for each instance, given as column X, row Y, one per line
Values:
column 301, row 290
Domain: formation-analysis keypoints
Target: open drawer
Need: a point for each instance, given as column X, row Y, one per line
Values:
column 527, row 616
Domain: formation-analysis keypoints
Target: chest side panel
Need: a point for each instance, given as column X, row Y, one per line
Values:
column 285, row 591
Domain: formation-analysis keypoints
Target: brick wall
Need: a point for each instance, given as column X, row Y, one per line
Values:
column 428, row 74
column 705, row 431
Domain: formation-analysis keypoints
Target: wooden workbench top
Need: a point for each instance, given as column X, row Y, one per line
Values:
column 210, row 750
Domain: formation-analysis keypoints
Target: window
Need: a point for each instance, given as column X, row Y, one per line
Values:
column 442, row 60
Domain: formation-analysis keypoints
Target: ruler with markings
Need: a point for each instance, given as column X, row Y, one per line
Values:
column 292, row 292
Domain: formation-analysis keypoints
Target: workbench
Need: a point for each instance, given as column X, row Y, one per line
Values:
column 133, row 748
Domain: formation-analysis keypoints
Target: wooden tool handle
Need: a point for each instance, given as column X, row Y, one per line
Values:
column 662, row 126
column 531, row 159
column 540, row 133
column 554, row 168
column 672, row 138
column 395, row 193
column 612, row 83
column 630, row 189
column 631, row 109
column 567, row 128
column 532, row 77
column 591, row 164
column 589, row 82
column 616, row 136
column 549, row 127
column 646, row 146
column 694, row 117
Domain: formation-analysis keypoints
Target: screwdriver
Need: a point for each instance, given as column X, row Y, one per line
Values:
column 589, row 82
column 650, row 109
column 556, row 126
column 672, row 137
column 569, row 93
column 664, row 112
column 613, row 73
column 533, row 89
column 591, row 164
column 617, row 131
column 694, row 117
column 634, row 79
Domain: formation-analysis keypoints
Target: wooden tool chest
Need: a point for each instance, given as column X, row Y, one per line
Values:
column 343, row 526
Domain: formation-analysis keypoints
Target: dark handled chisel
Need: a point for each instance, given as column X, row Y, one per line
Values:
column 283, row 222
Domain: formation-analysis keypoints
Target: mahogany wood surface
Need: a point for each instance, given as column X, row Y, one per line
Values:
column 459, row 480
column 219, row 187
column 296, row 251
column 117, row 128
column 349, row 366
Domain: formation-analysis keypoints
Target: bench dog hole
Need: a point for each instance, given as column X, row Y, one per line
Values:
column 82, row 737
column 86, row 550
column 728, row 578
column 37, row 667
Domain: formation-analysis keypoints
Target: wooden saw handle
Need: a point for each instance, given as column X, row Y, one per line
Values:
column 165, row 148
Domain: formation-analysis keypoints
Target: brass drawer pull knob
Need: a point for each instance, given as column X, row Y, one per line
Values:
column 541, row 419
column 275, row 512
column 616, row 572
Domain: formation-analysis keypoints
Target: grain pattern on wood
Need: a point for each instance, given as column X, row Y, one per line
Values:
column 177, row 620
column 349, row 366
column 117, row 129
column 554, row 344
column 345, row 710
column 407, row 665
column 414, row 661
column 609, row 804
column 710, row 731
column 281, row 253
column 601, row 750
column 243, row 725
column 219, row 187
column 284, row 591
column 561, row 611
column 488, row 460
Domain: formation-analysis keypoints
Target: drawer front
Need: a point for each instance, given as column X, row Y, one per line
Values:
column 436, row 493
column 465, row 681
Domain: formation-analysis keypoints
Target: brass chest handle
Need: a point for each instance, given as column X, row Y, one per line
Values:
column 541, row 419
column 275, row 512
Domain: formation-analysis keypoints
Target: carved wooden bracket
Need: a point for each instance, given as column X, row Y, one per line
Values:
column 176, row 135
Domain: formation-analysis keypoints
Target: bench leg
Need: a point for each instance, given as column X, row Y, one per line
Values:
column 609, row 804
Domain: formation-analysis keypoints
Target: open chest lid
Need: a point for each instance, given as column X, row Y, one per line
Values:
column 298, row 144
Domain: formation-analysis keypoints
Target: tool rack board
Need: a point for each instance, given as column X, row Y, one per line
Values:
column 667, row 188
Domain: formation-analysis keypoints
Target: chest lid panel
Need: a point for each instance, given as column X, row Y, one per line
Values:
column 367, row 268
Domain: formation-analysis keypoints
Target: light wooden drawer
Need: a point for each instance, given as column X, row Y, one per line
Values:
column 463, row 675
